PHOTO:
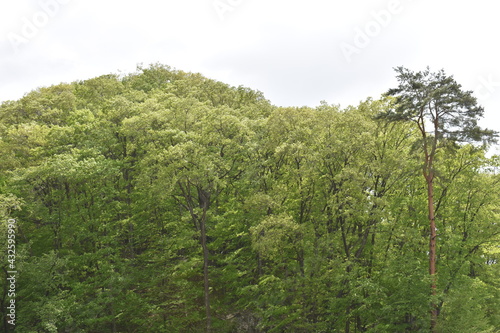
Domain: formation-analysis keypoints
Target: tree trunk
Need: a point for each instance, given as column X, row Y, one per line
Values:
column 432, row 248
column 205, row 272
column 200, row 223
column 204, row 201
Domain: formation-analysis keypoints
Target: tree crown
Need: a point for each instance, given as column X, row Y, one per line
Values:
column 436, row 98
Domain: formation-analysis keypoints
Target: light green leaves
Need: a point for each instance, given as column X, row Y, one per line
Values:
column 275, row 236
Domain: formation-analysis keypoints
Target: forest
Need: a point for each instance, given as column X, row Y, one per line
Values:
column 165, row 201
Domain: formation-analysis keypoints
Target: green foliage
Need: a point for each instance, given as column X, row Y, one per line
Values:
column 439, row 99
column 140, row 198
column 275, row 236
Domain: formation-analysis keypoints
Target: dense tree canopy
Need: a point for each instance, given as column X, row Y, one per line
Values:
column 164, row 201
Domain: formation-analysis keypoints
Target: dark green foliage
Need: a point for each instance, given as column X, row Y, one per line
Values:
column 439, row 99
column 134, row 195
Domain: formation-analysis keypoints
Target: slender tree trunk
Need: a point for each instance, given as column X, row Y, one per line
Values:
column 204, row 201
column 205, row 272
column 200, row 224
column 432, row 248
column 429, row 178
column 347, row 321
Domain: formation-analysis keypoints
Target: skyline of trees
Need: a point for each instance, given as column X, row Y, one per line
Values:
column 163, row 201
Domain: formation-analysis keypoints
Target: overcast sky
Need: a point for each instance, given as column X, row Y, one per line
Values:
column 296, row 52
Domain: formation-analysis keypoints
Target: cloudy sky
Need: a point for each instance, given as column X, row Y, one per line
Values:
column 296, row 52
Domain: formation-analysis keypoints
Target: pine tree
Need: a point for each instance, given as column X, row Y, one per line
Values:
column 442, row 112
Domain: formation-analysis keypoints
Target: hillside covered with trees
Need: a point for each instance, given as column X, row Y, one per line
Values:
column 164, row 201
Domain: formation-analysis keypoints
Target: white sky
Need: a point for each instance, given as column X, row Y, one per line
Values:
column 290, row 50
